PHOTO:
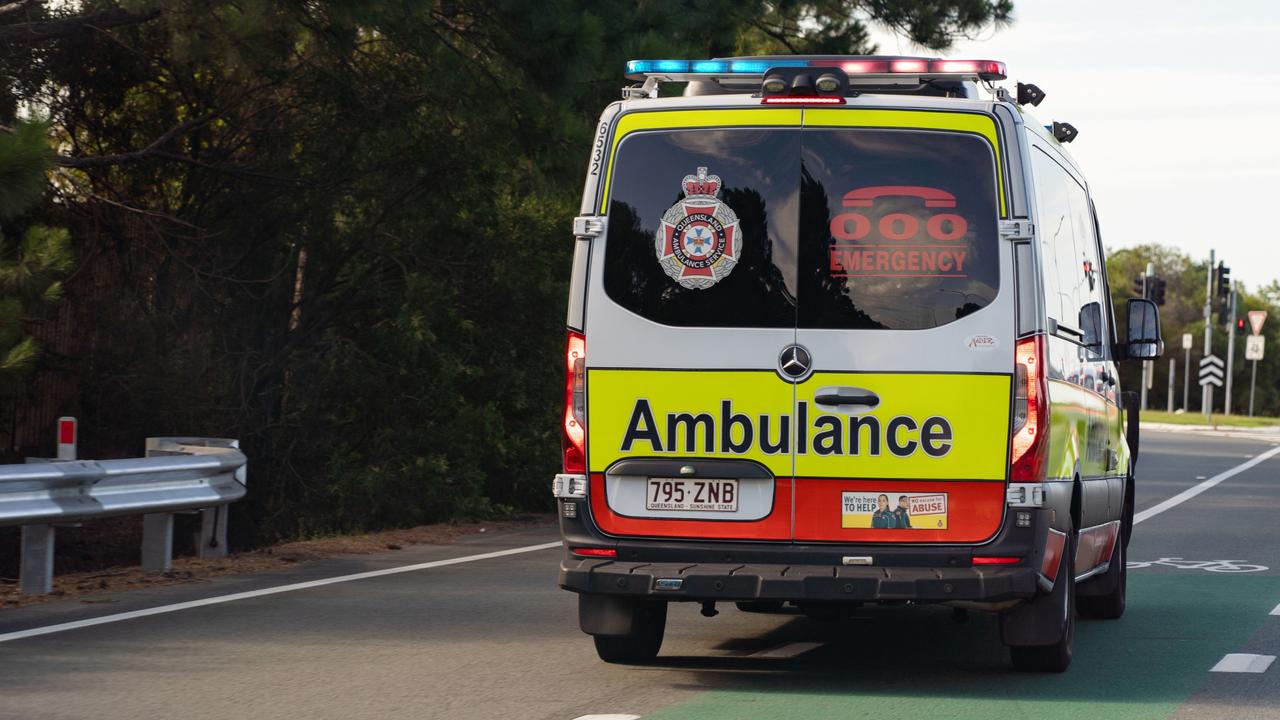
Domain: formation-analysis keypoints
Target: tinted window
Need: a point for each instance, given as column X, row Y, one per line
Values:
column 898, row 229
column 1073, row 272
column 714, row 247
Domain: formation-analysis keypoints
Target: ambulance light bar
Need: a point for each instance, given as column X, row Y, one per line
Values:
column 683, row 70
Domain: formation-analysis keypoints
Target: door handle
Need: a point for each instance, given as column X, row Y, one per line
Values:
column 846, row 396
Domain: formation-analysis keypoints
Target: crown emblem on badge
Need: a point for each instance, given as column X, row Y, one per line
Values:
column 698, row 242
column 701, row 183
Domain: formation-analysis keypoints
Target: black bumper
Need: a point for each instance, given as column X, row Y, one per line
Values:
column 796, row 582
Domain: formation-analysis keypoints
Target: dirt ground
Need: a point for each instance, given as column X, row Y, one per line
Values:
column 87, row 585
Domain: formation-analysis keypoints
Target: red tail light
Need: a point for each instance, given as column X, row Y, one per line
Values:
column 575, row 401
column 996, row 560
column 594, row 552
column 802, row 100
column 1030, row 411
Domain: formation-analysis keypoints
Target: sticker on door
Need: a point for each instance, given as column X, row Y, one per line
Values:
column 893, row 510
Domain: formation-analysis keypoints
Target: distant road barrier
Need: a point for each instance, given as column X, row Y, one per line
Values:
column 177, row 475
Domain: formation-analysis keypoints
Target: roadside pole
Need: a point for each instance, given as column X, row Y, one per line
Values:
column 1173, row 368
column 1253, row 348
column 1253, row 383
column 1231, row 352
column 1186, row 370
column 1206, row 397
column 1147, row 365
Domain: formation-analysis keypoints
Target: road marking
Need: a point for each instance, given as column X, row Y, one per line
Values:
column 218, row 600
column 789, row 650
column 1275, row 610
column 1195, row 490
column 1214, row 566
column 1244, row 663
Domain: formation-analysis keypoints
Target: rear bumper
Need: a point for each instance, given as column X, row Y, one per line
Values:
column 819, row 583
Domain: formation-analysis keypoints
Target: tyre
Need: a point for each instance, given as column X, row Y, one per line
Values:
column 759, row 606
column 1108, row 606
column 1057, row 611
column 648, row 625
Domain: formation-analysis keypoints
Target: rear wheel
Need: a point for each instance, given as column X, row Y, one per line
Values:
column 1057, row 611
column 641, row 644
column 1110, row 605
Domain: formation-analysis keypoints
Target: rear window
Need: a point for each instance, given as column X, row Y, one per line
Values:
column 898, row 229
column 718, row 251
column 847, row 228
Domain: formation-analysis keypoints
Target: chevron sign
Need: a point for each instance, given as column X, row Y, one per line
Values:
column 1212, row 370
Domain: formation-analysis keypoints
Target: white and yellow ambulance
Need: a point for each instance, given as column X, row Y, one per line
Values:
column 839, row 333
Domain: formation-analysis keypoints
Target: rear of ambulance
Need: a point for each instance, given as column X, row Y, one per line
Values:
column 793, row 369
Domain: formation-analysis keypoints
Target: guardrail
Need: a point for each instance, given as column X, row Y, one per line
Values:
column 177, row 475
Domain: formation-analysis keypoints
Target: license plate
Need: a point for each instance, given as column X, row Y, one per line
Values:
column 692, row 495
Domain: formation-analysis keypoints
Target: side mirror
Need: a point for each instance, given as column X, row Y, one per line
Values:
column 1143, row 340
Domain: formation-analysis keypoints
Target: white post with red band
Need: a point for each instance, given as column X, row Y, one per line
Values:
column 68, row 434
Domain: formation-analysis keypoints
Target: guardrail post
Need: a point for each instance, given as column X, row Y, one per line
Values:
column 157, row 542
column 36, row 573
column 212, row 542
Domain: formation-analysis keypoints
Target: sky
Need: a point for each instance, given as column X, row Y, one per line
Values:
column 1178, row 108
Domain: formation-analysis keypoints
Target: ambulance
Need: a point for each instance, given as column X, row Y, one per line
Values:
column 839, row 335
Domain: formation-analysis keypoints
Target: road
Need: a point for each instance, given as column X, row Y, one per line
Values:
column 494, row 638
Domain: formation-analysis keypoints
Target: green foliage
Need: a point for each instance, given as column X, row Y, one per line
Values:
column 30, row 271
column 339, row 230
column 24, row 157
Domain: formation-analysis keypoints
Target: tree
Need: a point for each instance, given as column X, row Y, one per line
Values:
column 31, row 270
column 339, row 231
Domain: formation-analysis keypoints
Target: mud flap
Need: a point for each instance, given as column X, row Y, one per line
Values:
column 613, row 615
column 1131, row 412
column 1038, row 622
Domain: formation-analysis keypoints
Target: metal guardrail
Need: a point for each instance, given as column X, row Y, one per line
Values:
column 177, row 475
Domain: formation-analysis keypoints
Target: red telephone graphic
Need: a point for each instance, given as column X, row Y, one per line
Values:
column 898, row 226
column 933, row 197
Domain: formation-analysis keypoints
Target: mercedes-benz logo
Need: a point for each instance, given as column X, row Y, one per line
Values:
column 795, row 363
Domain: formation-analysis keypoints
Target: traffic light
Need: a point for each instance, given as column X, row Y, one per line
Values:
column 1157, row 290
column 1240, row 324
column 1139, row 286
column 1224, row 281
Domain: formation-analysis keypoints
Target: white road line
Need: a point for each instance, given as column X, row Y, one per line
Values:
column 1275, row 610
column 789, row 650
column 218, row 600
column 1244, row 663
column 1195, row 490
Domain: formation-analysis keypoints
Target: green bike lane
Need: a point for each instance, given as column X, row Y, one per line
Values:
column 912, row 662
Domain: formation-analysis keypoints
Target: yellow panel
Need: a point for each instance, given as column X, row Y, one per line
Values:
column 983, row 125
column 973, row 410
column 619, row 400
column 943, row 426
column 673, row 119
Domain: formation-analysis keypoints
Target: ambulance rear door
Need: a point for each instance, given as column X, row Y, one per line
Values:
column 906, row 311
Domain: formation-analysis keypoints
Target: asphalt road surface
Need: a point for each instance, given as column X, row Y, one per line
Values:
column 494, row 638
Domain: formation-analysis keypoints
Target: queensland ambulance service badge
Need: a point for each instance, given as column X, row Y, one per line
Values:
column 698, row 243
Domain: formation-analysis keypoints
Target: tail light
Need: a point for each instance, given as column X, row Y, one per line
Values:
column 1030, row 412
column 575, row 401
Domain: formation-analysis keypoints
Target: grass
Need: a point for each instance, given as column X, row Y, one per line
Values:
column 1195, row 418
